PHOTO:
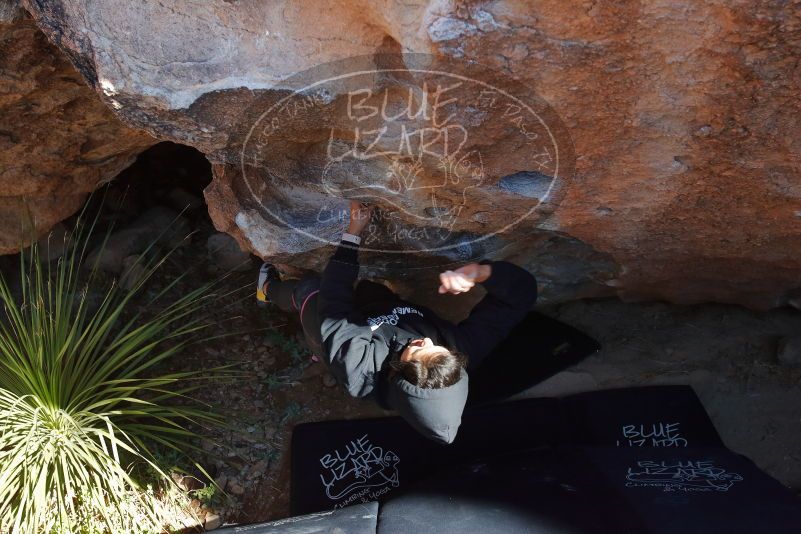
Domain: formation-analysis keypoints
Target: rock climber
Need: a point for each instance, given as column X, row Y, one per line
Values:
column 401, row 355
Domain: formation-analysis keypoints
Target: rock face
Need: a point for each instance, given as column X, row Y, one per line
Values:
column 58, row 142
column 676, row 125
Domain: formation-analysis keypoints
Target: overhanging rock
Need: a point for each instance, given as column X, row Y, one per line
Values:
column 684, row 119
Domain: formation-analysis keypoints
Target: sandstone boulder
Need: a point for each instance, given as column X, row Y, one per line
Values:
column 683, row 118
column 58, row 141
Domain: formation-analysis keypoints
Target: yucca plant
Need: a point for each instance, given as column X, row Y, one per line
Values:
column 82, row 397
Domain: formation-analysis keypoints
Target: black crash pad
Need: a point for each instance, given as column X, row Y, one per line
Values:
column 633, row 460
column 338, row 463
column 536, row 349
column 597, row 490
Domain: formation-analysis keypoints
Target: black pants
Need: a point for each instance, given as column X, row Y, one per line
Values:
column 301, row 296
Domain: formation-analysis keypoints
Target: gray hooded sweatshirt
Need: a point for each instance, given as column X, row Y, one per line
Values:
column 359, row 342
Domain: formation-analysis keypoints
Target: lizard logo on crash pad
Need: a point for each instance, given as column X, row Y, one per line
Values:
column 690, row 475
column 360, row 471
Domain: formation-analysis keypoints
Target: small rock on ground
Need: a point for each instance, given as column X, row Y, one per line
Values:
column 132, row 272
column 212, row 521
column 235, row 487
column 225, row 253
column 789, row 351
column 257, row 470
column 329, row 381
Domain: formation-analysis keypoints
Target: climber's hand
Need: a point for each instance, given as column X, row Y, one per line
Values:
column 359, row 217
column 464, row 278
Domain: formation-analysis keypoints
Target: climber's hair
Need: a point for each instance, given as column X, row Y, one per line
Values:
column 439, row 370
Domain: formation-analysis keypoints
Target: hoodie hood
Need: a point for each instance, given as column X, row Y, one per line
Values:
column 435, row 413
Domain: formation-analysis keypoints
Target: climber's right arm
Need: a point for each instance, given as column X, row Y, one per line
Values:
column 348, row 343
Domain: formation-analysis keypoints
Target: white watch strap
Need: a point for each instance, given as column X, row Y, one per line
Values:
column 351, row 238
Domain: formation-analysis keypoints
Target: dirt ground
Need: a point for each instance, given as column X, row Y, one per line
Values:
column 728, row 354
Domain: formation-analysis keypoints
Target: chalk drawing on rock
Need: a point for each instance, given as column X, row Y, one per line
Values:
column 407, row 133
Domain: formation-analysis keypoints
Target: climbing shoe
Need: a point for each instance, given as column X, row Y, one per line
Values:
column 267, row 274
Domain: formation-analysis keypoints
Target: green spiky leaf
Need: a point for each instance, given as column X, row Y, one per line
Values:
column 83, row 396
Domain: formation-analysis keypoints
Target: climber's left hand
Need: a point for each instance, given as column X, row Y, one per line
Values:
column 464, row 278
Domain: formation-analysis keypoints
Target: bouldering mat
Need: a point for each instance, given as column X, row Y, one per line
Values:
column 337, row 463
column 536, row 349
column 658, row 490
column 644, row 460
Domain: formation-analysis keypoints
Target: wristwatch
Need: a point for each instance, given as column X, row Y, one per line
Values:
column 351, row 238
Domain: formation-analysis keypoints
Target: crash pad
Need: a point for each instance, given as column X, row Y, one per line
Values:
column 337, row 463
column 645, row 460
column 536, row 349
